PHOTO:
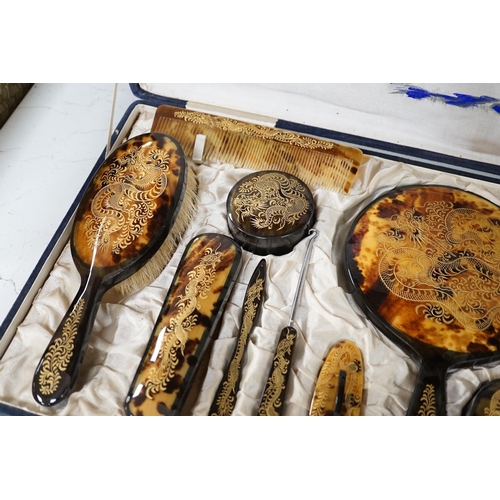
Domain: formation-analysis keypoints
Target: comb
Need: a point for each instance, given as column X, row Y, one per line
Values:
column 317, row 162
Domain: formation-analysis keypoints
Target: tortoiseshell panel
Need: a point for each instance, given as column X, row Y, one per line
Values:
column 270, row 212
column 485, row 402
column 318, row 162
column 129, row 202
column 426, row 261
column 189, row 315
column 225, row 396
column 344, row 356
column 125, row 216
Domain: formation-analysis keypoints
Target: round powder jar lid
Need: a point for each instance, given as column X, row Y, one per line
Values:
column 269, row 212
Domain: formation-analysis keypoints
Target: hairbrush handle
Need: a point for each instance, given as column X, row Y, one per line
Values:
column 429, row 395
column 272, row 400
column 59, row 366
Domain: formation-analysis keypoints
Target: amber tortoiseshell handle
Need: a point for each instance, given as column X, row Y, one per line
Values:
column 272, row 400
column 59, row 366
column 429, row 395
column 339, row 388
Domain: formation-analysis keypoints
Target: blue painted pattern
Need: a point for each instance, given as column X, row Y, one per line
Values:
column 459, row 100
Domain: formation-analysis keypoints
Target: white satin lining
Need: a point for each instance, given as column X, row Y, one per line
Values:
column 326, row 313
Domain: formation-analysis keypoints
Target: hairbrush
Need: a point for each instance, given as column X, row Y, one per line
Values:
column 126, row 227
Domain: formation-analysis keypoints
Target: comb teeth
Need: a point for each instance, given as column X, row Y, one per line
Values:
column 316, row 162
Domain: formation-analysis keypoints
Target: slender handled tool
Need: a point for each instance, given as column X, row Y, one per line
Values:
column 225, row 397
column 272, row 400
column 125, row 229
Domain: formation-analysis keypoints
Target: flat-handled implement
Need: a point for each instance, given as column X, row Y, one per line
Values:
column 188, row 318
column 272, row 400
column 225, row 397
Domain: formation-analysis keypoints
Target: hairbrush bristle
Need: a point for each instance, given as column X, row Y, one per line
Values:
column 154, row 267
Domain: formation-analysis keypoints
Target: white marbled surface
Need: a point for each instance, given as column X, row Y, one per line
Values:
column 47, row 149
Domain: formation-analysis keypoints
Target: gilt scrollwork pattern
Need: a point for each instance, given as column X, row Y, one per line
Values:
column 126, row 199
column 252, row 130
column 60, row 352
column 226, row 399
column 276, row 385
column 271, row 201
column 445, row 259
column 428, row 402
column 345, row 356
column 175, row 335
column 494, row 409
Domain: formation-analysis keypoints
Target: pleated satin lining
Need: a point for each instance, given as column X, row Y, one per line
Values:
column 326, row 313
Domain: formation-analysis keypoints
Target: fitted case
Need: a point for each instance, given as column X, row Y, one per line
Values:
column 326, row 313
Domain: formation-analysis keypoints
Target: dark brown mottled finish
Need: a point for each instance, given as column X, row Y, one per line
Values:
column 202, row 311
column 100, row 268
column 437, row 344
column 109, row 264
column 268, row 217
column 319, row 163
column 273, row 399
column 485, row 402
column 225, row 396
